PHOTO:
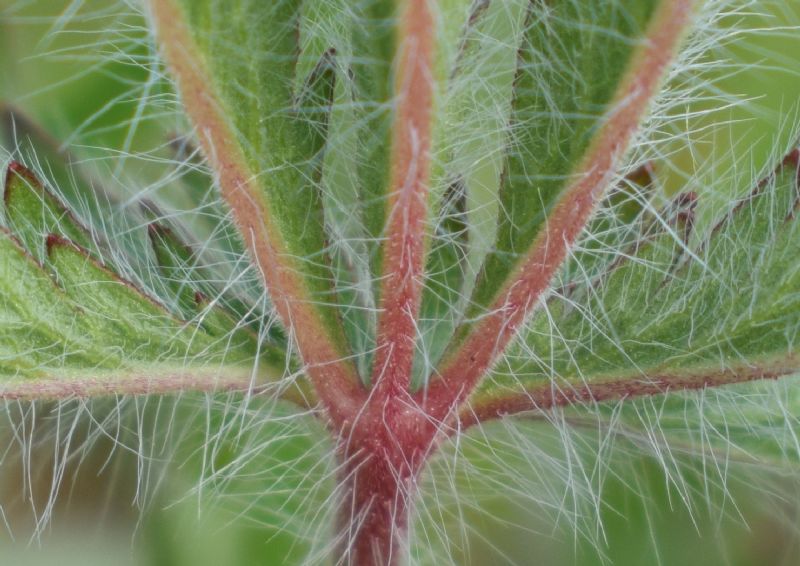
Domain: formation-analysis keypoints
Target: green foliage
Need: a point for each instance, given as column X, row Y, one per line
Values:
column 681, row 273
column 664, row 307
column 280, row 129
column 66, row 314
column 739, row 105
column 562, row 96
column 559, row 93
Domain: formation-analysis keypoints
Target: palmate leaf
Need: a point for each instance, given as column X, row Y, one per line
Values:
column 482, row 222
column 267, row 117
column 73, row 325
column 556, row 100
column 397, row 171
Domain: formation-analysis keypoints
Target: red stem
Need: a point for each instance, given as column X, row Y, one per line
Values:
column 405, row 234
column 547, row 395
column 334, row 378
column 381, row 455
column 148, row 382
column 385, row 446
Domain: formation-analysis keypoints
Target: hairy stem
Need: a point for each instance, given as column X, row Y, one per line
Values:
column 140, row 383
column 548, row 395
column 384, row 449
column 381, row 457
column 374, row 510
column 404, row 248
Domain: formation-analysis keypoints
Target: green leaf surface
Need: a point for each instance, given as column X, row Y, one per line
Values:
column 65, row 314
column 468, row 152
column 199, row 300
column 33, row 213
column 668, row 310
column 308, row 87
column 82, row 193
column 322, row 162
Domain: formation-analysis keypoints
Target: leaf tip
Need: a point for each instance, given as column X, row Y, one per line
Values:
column 56, row 243
column 18, row 171
column 156, row 231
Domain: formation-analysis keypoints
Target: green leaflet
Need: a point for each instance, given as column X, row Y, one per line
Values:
column 40, row 326
column 356, row 173
column 200, row 300
column 666, row 308
column 562, row 95
column 144, row 328
column 373, row 50
column 33, row 212
column 65, row 314
column 444, row 278
column 80, row 191
column 331, row 225
column 94, row 322
column 356, row 126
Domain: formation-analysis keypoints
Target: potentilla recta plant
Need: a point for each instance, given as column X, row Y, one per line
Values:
column 459, row 212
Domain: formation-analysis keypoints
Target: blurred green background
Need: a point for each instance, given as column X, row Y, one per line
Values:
column 107, row 482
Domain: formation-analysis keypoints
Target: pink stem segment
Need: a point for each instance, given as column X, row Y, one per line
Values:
column 404, row 248
column 547, row 395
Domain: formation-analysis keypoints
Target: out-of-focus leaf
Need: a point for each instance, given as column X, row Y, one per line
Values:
column 737, row 108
